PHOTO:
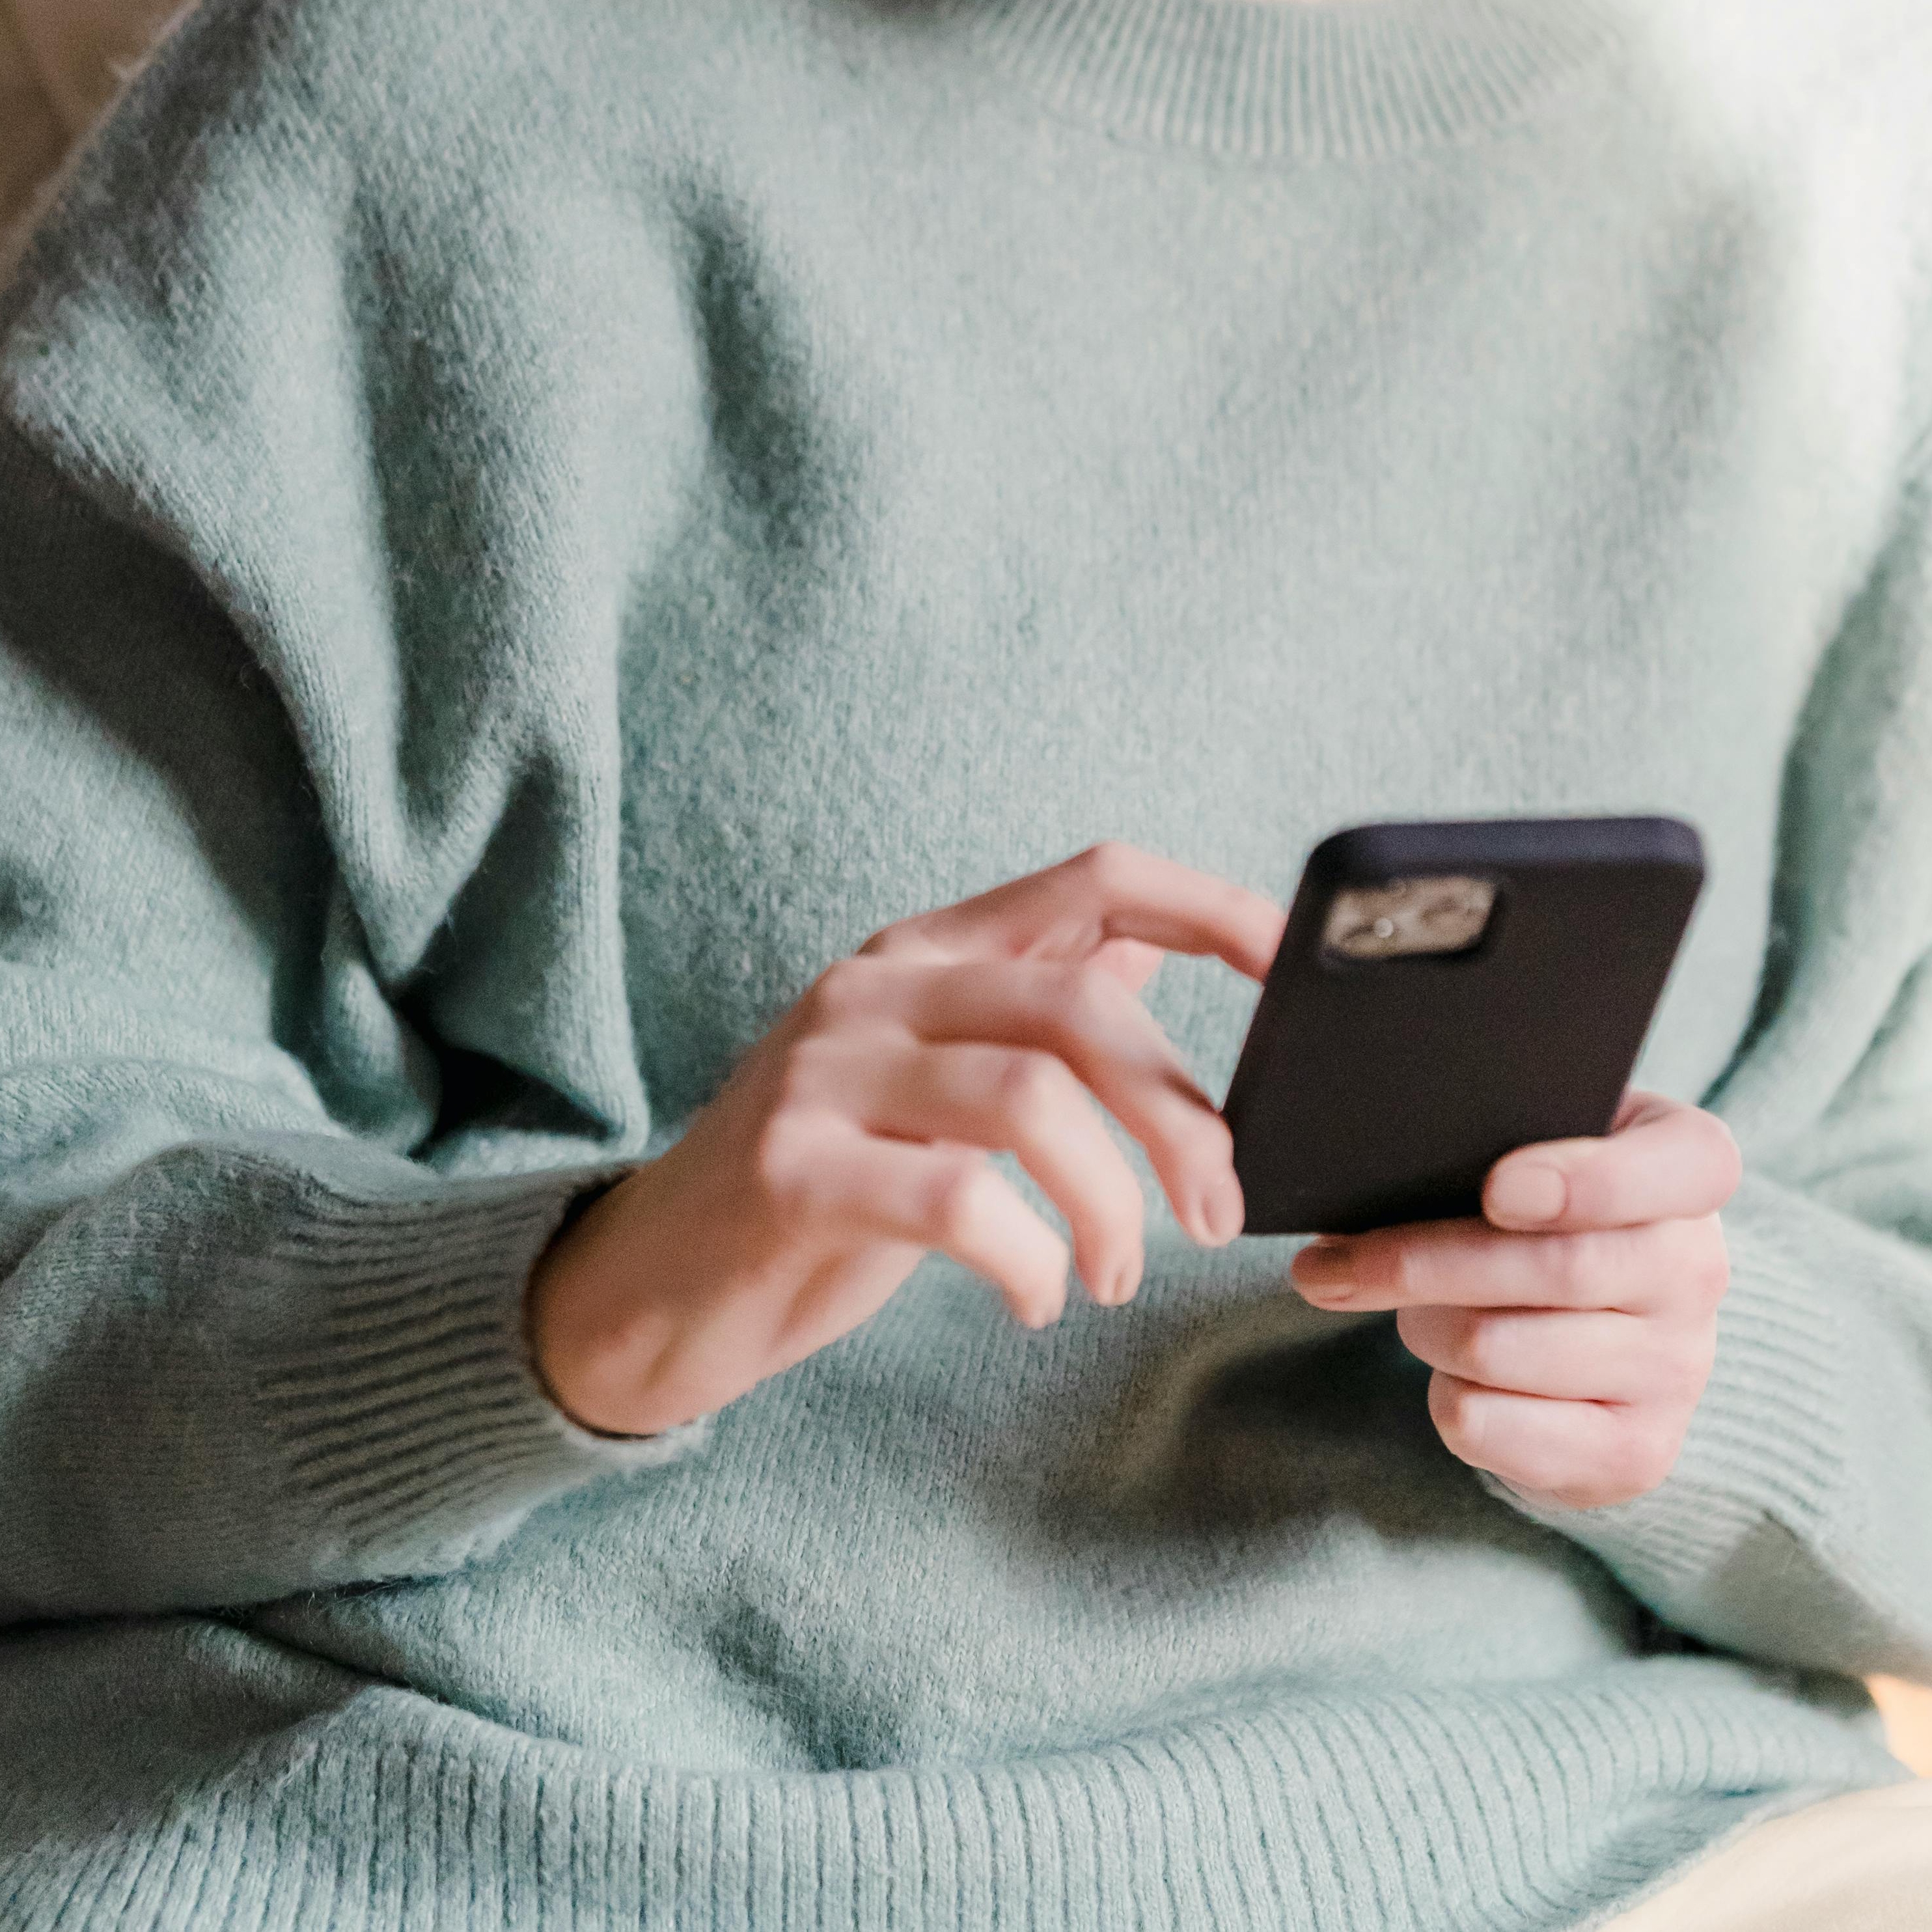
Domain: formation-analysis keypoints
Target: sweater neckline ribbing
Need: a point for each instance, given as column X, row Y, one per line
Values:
column 1278, row 79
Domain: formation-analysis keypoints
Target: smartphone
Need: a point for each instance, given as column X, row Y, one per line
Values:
column 1445, row 992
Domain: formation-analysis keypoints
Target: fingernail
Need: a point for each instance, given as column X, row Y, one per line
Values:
column 1528, row 1190
column 1223, row 1210
column 1326, row 1264
column 1126, row 1283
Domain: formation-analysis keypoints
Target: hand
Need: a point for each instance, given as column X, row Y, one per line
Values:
column 1572, row 1328
column 855, row 1138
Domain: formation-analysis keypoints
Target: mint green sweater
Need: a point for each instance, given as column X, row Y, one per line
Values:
column 527, row 529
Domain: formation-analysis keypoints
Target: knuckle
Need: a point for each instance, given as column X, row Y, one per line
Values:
column 846, row 988
column 1195, row 1137
column 1030, row 1089
column 1680, row 1375
column 1109, row 864
column 1590, row 1492
column 957, row 1204
column 1711, row 1271
column 1483, row 1347
column 888, row 939
column 1216, row 1138
column 1580, row 1273
column 783, row 1163
column 1124, row 1207
column 1457, row 1415
column 1039, row 1294
column 1729, row 1156
column 1427, row 1335
column 1058, row 1260
column 1640, row 1459
column 1408, row 1268
column 1084, row 996
column 802, row 1074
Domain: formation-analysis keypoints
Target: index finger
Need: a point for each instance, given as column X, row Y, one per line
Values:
column 1110, row 891
column 1662, row 1160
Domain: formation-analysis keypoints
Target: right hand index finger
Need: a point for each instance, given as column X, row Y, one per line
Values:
column 1109, row 891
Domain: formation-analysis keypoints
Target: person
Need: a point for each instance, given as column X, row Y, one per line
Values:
column 570, row 579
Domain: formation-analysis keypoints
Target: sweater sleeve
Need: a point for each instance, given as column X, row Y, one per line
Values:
column 313, row 1020
column 1797, row 1526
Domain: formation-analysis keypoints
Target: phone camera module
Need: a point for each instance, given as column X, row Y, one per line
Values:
column 1402, row 918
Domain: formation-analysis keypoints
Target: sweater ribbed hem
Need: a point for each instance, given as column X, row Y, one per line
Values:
column 413, row 1415
column 1522, row 1808
column 1277, row 81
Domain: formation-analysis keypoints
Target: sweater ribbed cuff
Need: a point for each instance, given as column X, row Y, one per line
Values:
column 412, row 1416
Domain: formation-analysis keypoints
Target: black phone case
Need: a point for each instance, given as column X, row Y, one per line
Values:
column 1370, row 1092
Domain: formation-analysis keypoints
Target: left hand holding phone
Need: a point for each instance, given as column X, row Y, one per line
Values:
column 1573, row 1327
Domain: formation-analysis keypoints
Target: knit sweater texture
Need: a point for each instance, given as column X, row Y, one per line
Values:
column 528, row 529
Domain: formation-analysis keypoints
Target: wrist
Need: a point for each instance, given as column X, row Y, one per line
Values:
column 591, row 1343
column 533, row 1362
